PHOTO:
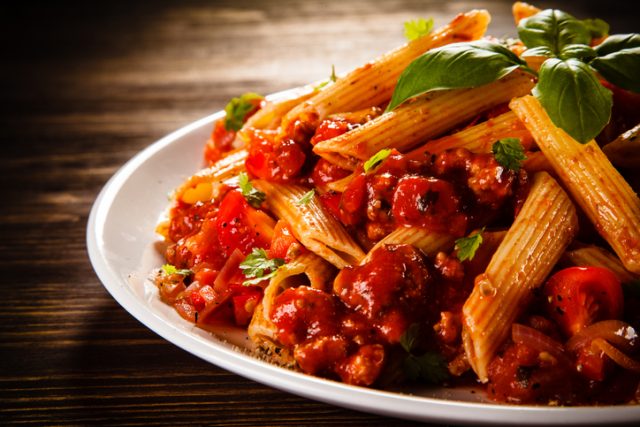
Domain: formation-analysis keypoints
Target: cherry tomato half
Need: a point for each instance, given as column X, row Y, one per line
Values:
column 579, row 296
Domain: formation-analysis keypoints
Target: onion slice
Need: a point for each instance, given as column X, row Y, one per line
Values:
column 616, row 355
column 535, row 339
column 620, row 334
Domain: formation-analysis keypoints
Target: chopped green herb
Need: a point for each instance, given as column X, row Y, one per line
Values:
column 332, row 79
column 257, row 266
column 430, row 367
column 467, row 246
column 376, row 159
column 306, row 197
column 418, row 28
column 238, row 108
column 169, row 269
column 409, row 338
column 509, row 153
column 253, row 196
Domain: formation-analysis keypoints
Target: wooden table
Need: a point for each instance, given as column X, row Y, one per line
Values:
column 84, row 87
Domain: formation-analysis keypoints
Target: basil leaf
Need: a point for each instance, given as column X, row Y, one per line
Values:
column 458, row 65
column 618, row 42
column 538, row 51
column 597, row 27
column 553, row 29
column 618, row 60
column 573, row 97
column 579, row 51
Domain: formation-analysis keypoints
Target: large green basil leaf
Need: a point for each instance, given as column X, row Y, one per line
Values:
column 454, row 66
column 618, row 60
column 553, row 29
column 579, row 51
column 618, row 42
column 573, row 97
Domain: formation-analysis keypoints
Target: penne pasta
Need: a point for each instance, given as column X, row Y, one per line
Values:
column 599, row 257
column 428, row 242
column 537, row 162
column 271, row 114
column 541, row 232
column 602, row 193
column 308, row 269
column 200, row 187
column 373, row 83
column 479, row 138
column 424, row 117
column 624, row 151
column 315, row 228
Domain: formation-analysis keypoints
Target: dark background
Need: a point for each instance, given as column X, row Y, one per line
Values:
column 83, row 87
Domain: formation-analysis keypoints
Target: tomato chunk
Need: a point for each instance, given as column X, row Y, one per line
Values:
column 282, row 240
column 242, row 227
column 579, row 296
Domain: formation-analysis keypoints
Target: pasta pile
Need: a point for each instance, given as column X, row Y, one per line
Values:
column 461, row 235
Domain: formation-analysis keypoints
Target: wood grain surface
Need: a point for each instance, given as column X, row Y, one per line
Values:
column 83, row 87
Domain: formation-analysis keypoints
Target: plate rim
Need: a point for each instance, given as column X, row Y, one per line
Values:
column 385, row 403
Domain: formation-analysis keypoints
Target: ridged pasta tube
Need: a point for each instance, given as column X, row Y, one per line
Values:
column 373, row 83
column 595, row 184
column 311, row 224
column 479, row 138
column 599, row 257
column 535, row 241
column 424, row 117
column 427, row 241
column 307, row 268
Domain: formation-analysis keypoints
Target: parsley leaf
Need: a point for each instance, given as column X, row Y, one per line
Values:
column 467, row 246
column 253, row 196
column 409, row 338
column 430, row 367
column 376, row 159
column 306, row 197
column 418, row 28
column 332, row 79
column 509, row 153
column 238, row 108
column 169, row 269
column 256, row 265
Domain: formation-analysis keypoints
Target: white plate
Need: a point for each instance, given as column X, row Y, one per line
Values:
column 122, row 248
